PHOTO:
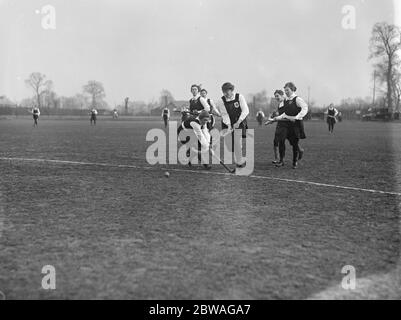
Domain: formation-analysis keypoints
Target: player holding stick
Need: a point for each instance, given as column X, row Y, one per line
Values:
column 213, row 109
column 234, row 111
column 198, row 126
column 332, row 113
column 196, row 104
column 93, row 114
column 295, row 109
column 35, row 115
column 281, row 129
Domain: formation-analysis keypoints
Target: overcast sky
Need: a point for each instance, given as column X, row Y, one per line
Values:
column 138, row 47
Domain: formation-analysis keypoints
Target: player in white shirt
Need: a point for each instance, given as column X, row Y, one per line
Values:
column 295, row 109
column 115, row 114
column 93, row 114
column 234, row 112
column 35, row 115
column 198, row 127
column 197, row 103
column 332, row 114
column 259, row 117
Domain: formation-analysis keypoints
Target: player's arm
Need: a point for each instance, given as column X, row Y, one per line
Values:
column 224, row 115
column 204, row 104
column 304, row 108
column 200, row 135
column 214, row 109
column 335, row 112
column 244, row 108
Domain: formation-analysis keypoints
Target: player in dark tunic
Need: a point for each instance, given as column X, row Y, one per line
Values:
column 234, row 112
column 213, row 110
column 294, row 110
column 196, row 104
column 93, row 117
column 280, row 135
column 166, row 116
column 35, row 115
column 331, row 117
column 199, row 127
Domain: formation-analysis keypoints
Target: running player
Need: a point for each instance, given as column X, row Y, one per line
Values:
column 197, row 125
column 213, row 110
column 295, row 109
column 35, row 115
column 332, row 113
column 259, row 117
column 93, row 115
column 166, row 116
column 234, row 111
column 196, row 104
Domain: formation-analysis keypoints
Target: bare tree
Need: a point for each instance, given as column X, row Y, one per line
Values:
column 385, row 43
column 96, row 90
column 37, row 81
column 396, row 84
column 165, row 98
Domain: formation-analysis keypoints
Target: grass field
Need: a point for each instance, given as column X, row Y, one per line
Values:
column 126, row 232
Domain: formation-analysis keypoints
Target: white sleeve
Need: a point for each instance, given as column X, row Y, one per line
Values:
column 199, row 134
column 214, row 108
column 335, row 112
column 224, row 115
column 204, row 104
column 244, row 108
column 304, row 108
column 38, row 112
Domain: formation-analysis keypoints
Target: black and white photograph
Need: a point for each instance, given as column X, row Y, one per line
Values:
column 224, row 151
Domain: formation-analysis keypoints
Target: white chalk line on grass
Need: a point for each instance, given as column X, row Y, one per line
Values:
column 110, row 165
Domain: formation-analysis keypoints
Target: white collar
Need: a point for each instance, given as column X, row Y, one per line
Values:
column 232, row 98
column 292, row 96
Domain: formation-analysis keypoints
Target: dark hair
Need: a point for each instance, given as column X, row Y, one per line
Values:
column 204, row 90
column 197, row 86
column 291, row 85
column 227, row 86
column 280, row 92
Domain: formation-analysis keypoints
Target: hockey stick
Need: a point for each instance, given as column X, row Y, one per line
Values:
column 217, row 158
column 221, row 162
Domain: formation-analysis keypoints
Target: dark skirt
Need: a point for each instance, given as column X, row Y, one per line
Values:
column 331, row 120
column 296, row 130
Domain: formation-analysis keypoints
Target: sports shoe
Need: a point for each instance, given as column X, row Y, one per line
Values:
column 295, row 165
column 279, row 164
